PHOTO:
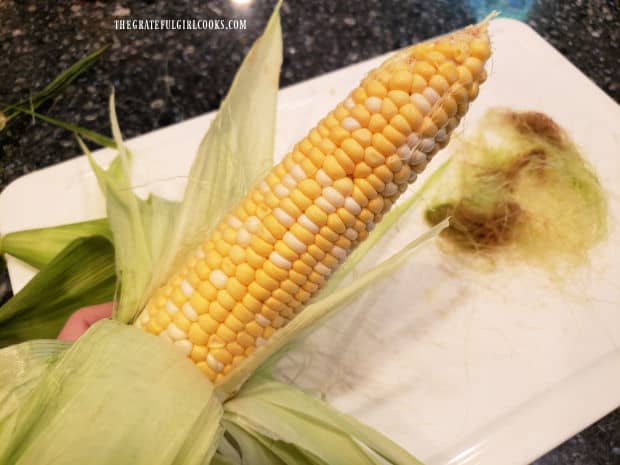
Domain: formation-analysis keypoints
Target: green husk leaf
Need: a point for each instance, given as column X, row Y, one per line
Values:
column 219, row 459
column 82, row 274
column 316, row 312
column 139, row 226
column 116, row 396
column 150, row 235
column 236, row 151
column 39, row 246
column 249, row 447
column 21, row 366
column 287, row 417
column 55, row 87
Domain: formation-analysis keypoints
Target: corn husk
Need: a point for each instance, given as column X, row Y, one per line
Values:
column 39, row 246
column 82, row 274
column 116, row 396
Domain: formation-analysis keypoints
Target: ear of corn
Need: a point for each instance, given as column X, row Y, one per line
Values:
column 279, row 246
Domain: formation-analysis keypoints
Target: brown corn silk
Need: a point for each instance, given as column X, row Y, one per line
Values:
column 278, row 247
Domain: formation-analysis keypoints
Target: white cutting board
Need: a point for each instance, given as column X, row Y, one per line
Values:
column 457, row 367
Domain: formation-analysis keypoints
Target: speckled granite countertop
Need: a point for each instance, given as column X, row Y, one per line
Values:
column 163, row 77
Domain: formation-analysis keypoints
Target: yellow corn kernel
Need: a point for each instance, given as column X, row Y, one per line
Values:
column 401, row 80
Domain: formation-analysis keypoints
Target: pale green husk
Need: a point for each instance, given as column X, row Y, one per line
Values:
column 39, row 246
column 82, row 274
column 116, row 396
column 146, row 403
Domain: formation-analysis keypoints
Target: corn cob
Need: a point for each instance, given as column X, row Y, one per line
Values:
column 278, row 247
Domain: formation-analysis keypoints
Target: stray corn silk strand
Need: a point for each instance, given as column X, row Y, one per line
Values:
column 81, row 274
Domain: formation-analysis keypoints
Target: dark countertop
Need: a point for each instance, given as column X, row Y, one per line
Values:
column 164, row 77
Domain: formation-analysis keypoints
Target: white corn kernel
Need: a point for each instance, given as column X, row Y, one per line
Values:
column 404, row 152
column 280, row 191
column 171, row 308
column 175, row 332
column 189, row 312
column 321, row 269
column 252, row 223
column 288, row 181
column 339, row 252
column 390, row 189
column 431, row 95
column 350, row 234
column 284, row 218
column 333, row 196
column 234, row 222
column 261, row 320
column 373, row 104
column 352, row 206
column 324, row 204
column 349, row 103
column 308, row 224
column 295, row 244
column 350, row 124
column 280, row 261
column 418, row 157
column 214, row 363
column 298, row 173
column 187, row 288
column 426, row 144
column 243, row 237
column 421, row 103
column 412, row 140
column 184, row 346
column 218, row 279
column 323, row 179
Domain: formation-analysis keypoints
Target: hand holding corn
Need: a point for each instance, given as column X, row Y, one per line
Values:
column 278, row 247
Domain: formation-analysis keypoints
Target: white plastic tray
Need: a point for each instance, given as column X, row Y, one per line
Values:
column 458, row 368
